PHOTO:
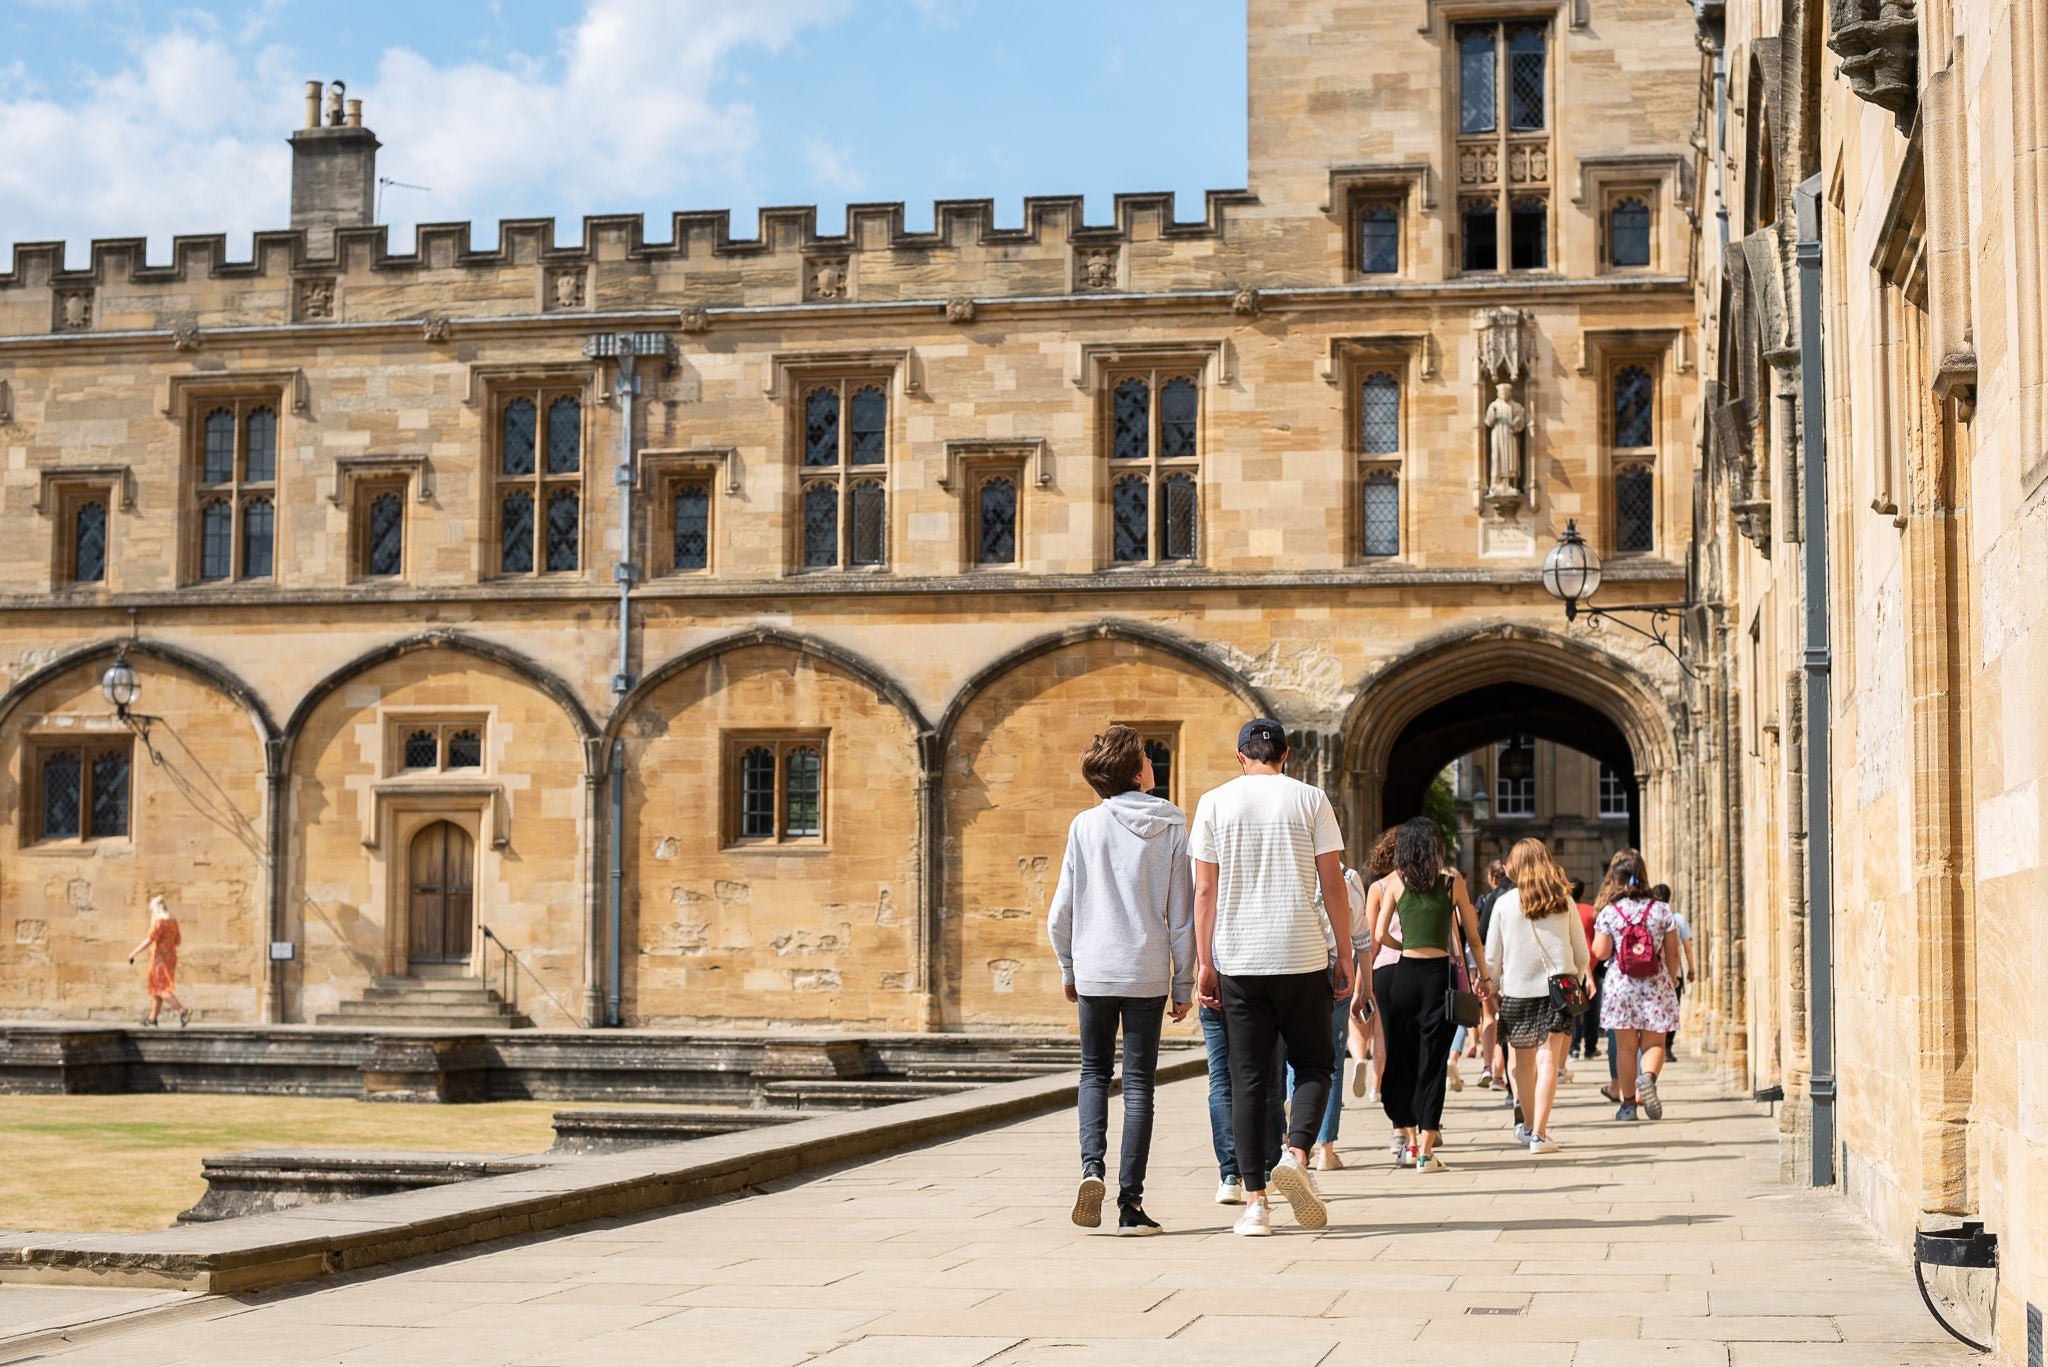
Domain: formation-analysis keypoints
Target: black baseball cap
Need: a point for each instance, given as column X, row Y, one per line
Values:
column 1262, row 728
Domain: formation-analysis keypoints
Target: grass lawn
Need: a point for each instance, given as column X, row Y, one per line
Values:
column 132, row 1162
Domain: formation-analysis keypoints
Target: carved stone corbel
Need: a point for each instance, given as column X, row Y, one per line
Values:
column 1879, row 44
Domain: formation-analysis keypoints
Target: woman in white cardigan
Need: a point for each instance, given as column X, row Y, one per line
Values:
column 1536, row 934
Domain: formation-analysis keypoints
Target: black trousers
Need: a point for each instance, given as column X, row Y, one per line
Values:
column 1586, row 1029
column 1416, row 1020
column 1294, row 1009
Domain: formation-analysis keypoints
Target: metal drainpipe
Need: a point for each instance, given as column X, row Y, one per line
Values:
column 1819, row 658
column 618, row 879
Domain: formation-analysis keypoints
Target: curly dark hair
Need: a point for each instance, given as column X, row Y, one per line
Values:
column 1380, row 862
column 1419, row 853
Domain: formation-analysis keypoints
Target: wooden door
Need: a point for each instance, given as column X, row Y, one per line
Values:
column 442, row 901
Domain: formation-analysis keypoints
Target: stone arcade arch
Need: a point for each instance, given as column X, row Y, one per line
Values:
column 523, row 794
column 1011, row 740
column 1430, row 705
column 202, row 829
column 721, row 926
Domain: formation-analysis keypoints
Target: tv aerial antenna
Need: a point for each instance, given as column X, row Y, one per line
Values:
column 383, row 181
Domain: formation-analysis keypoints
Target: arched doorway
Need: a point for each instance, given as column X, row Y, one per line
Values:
column 1599, row 726
column 441, row 895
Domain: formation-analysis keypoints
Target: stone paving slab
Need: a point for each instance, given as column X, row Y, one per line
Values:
column 1612, row 1252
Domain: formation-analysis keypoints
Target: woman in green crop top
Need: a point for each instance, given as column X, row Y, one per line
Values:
column 1431, row 902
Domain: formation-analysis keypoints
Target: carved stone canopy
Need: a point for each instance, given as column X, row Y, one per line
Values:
column 1504, row 351
column 1879, row 44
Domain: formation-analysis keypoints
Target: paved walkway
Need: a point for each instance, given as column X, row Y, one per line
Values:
column 1659, row 1243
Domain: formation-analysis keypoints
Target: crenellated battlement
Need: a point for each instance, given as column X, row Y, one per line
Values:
column 792, row 230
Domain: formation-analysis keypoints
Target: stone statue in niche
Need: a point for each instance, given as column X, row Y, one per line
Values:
column 1505, row 422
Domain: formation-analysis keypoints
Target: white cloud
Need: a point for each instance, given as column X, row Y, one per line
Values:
column 187, row 134
column 830, row 166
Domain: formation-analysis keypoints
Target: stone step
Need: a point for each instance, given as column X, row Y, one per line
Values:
column 400, row 1020
column 855, row 1094
column 387, row 983
column 377, row 1010
column 447, row 996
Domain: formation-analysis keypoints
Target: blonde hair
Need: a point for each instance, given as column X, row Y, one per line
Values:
column 157, row 907
column 1544, row 889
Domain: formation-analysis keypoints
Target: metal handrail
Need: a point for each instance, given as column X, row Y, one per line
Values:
column 510, row 965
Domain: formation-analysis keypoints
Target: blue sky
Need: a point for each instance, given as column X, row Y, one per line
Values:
column 124, row 119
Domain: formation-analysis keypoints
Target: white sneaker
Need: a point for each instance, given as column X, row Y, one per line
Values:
column 1564, row 1076
column 1230, row 1192
column 1429, row 1162
column 1451, row 1071
column 1541, row 1144
column 1399, row 1147
column 1298, row 1185
column 1255, row 1222
column 1361, row 1076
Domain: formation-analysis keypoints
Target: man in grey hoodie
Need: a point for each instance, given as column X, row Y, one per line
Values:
column 1123, row 926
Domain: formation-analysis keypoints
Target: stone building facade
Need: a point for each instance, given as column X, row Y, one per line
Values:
column 903, row 516
column 1872, row 534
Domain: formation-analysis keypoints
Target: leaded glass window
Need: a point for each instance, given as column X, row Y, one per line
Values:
column 1479, row 229
column 218, row 465
column 821, row 427
column 216, row 540
column 1179, row 517
column 1635, row 396
column 385, row 553
column 845, row 520
column 261, row 465
column 1526, row 43
column 1132, row 407
column 540, row 481
column 1379, row 240
column 1502, row 149
column 564, row 511
column 1129, row 503
column 998, row 514
column 868, row 441
column 803, row 800
column 465, row 750
column 1380, row 513
column 775, row 788
column 821, row 526
column 515, row 521
column 1155, row 447
column 82, row 792
column 259, row 538
column 565, row 436
column 234, row 477
column 692, row 530
column 1635, row 510
column 1628, row 233
column 870, row 523
column 109, row 794
column 757, row 793
column 63, row 795
column 89, row 542
column 423, row 750
column 520, row 429
column 1379, row 414
column 1476, row 80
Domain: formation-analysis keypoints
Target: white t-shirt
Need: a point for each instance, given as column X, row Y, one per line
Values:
column 1263, row 833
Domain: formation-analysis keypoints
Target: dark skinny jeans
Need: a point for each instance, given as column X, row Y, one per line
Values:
column 1294, row 1009
column 1141, row 1019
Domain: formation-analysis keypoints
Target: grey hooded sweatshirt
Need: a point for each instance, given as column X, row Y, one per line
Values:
column 1123, row 916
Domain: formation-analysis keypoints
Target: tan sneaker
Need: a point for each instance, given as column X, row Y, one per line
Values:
column 1294, row 1182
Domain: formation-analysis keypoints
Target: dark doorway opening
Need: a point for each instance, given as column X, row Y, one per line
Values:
column 1483, row 720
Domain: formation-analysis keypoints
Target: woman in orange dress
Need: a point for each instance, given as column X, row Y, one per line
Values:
column 162, row 944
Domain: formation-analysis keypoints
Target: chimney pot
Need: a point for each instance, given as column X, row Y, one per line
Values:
column 312, row 104
column 355, row 113
column 334, row 94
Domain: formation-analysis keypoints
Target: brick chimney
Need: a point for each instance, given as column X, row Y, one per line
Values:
column 334, row 169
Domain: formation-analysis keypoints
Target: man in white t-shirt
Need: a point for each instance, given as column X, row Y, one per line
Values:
column 1262, row 845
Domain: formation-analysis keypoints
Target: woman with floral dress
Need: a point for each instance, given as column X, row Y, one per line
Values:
column 1641, row 1011
column 162, row 944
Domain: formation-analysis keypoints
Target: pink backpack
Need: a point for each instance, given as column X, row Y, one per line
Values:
column 1635, row 952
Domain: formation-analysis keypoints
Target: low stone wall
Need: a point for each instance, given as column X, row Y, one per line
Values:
column 703, row 1069
column 261, row 1181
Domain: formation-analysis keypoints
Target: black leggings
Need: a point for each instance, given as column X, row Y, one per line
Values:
column 1416, row 1020
column 1293, row 1008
